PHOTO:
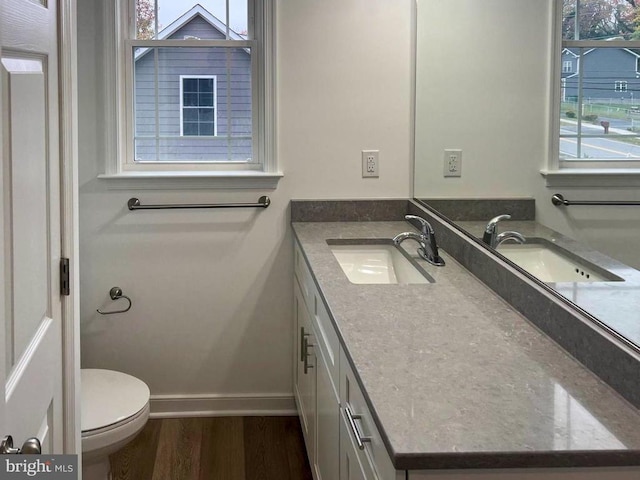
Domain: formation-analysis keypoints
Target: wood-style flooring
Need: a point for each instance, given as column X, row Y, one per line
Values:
column 220, row 448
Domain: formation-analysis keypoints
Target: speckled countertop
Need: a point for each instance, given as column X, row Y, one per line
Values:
column 456, row 378
column 616, row 304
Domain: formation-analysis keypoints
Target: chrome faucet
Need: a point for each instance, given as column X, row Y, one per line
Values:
column 428, row 249
column 492, row 238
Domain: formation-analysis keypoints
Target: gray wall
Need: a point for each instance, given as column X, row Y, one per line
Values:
column 233, row 102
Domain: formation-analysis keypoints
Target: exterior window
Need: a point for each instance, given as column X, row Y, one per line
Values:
column 598, row 125
column 198, row 106
column 620, row 86
column 196, row 91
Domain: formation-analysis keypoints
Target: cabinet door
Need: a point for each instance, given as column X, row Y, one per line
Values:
column 305, row 373
column 328, row 423
column 350, row 466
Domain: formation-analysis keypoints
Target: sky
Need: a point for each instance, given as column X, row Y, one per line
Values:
column 169, row 10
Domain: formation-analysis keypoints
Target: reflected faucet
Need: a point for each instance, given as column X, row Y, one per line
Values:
column 428, row 249
column 492, row 238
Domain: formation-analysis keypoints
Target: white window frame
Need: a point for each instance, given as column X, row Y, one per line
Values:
column 120, row 165
column 214, row 107
column 620, row 86
column 577, row 173
column 567, row 66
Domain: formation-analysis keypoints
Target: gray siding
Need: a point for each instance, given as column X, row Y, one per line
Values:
column 601, row 69
column 232, row 68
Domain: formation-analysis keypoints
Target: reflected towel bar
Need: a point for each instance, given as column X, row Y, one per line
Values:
column 134, row 204
column 558, row 200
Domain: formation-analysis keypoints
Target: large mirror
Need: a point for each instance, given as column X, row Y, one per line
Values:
column 498, row 95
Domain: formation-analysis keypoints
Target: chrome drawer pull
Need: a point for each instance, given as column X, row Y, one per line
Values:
column 351, row 419
column 306, row 354
column 303, row 350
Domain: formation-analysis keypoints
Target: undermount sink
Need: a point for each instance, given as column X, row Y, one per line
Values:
column 553, row 264
column 377, row 262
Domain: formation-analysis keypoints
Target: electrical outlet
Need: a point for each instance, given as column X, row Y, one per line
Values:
column 452, row 163
column 370, row 163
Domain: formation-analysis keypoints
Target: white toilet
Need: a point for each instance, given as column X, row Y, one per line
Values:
column 115, row 407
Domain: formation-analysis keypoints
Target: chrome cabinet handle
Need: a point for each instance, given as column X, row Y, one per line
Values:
column 351, row 419
column 31, row 446
column 306, row 354
column 303, row 350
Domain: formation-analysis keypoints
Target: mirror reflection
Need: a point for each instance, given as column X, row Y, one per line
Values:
column 500, row 113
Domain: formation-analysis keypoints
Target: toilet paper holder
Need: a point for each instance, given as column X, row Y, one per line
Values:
column 116, row 294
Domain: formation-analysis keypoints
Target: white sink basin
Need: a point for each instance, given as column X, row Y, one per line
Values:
column 552, row 264
column 377, row 264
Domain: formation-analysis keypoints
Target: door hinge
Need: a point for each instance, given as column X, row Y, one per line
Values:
column 65, row 287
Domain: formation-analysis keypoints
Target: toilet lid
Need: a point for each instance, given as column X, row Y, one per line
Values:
column 110, row 397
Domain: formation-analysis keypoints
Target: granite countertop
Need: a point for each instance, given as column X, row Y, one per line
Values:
column 616, row 304
column 455, row 378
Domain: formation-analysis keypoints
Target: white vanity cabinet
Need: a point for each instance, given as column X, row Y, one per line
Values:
column 304, row 380
column 362, row 452
column 341, row 439
column 316, row 366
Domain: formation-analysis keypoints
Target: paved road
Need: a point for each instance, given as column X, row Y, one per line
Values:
column 611, row 148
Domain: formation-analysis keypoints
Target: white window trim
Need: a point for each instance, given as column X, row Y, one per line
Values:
column 595, row 174
column 620, row 86
column 567, row 66
column 215, row 102
column 118, row 143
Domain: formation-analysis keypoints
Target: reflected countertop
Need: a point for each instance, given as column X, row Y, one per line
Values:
column 616, row 304
column 456, row 378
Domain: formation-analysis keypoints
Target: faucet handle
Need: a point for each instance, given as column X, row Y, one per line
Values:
column 427, row 229
column 491, row 225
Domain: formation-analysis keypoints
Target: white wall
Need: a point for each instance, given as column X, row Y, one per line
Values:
column 483, row 85
column 211, row 290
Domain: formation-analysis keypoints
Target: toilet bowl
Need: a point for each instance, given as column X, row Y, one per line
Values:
column 115, row 407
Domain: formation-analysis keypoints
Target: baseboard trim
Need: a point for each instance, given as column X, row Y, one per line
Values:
column 214, row 405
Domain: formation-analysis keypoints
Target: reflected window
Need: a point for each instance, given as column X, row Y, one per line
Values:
column 599, row 125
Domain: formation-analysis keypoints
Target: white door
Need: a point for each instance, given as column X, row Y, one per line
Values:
column 30, row 309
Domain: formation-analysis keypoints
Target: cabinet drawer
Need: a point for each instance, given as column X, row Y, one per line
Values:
column 352, row 400
column 327, row 341
column 353, row 465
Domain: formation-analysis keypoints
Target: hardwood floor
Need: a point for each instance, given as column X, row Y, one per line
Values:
column 220, row 448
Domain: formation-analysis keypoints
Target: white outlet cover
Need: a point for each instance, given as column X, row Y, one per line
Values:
column 370, row 163
column 452, row 162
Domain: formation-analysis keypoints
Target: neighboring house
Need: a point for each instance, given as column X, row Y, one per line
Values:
column 203, row 95
column 607, row 74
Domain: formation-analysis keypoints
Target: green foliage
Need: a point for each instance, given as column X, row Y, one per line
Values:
column 570, row 114
column 592, row 117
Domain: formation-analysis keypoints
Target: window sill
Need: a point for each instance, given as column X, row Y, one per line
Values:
column 592, row 177
column 192, row 180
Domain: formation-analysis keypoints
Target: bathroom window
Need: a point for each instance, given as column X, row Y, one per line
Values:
column 599, row 126
column 196, row 89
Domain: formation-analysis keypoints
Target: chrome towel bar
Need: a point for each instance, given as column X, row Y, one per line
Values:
column 134, row 204
column 557, row 199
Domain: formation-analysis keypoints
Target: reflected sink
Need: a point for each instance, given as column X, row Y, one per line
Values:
column 553, row 264
column 377, row 262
